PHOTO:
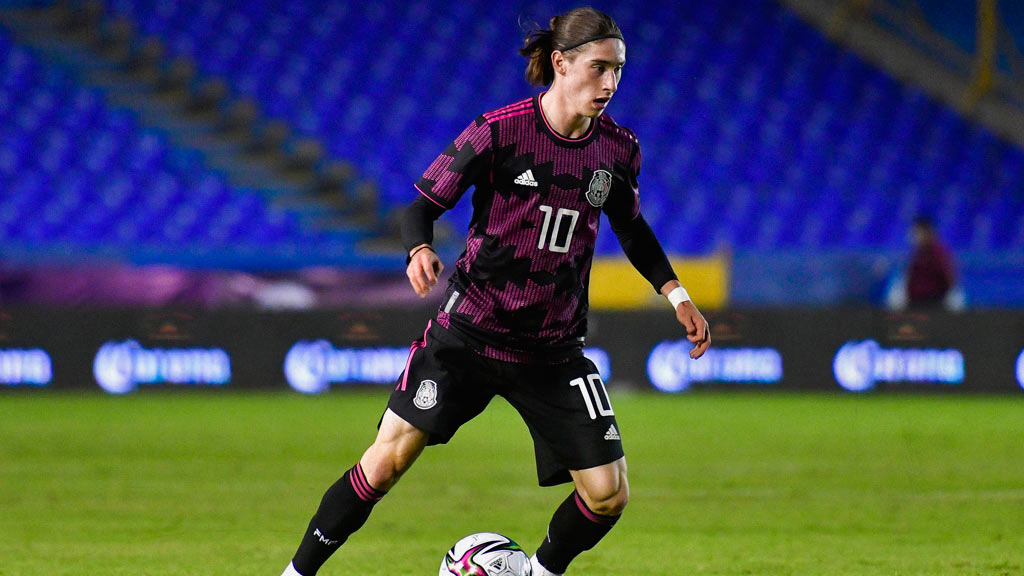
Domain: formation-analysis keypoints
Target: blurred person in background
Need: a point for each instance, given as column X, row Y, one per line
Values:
column 930, row 279
column 930, row 276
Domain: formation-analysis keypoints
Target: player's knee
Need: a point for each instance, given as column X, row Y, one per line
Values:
column 608, row 496
column 381, row 470
column 614, row 501
column 384, row 463
column 388, row 458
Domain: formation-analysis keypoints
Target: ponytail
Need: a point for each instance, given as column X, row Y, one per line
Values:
column 538, row 47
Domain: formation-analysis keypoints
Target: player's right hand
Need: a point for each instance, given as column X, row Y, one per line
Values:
column 424, row 270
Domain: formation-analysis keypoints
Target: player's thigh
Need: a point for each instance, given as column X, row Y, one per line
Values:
column 445, row 384
column 605, row 488
column 396, row 447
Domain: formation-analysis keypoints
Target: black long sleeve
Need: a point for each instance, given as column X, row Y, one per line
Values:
column 643, row 250
column 417, row 223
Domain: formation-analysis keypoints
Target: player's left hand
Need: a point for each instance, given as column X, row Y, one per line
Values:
column 697, row 329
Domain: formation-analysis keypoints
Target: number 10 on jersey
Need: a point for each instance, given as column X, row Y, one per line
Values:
column 595, row 396
column 559, row 217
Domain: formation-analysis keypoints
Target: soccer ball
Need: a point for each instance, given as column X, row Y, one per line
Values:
column 485, row 554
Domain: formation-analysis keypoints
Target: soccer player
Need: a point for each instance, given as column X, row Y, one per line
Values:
column 512, row 320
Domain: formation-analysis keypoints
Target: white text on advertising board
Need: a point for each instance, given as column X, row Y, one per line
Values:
column 859, row 366
column 311, row 367
column 121, row 367
column 25, row 367
column 671, row 369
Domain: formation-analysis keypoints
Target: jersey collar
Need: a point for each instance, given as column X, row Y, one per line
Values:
column 543, row 126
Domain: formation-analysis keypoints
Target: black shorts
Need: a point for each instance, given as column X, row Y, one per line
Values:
column 565, row 406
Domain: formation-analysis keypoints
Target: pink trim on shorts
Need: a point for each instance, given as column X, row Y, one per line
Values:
column 417, row 345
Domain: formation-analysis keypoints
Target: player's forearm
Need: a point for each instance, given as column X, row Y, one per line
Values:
column 644, row 252
column 417, row 223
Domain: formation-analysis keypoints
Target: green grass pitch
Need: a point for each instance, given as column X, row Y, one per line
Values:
column 224, row 483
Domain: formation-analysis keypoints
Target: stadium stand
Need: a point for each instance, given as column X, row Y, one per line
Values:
column 83, row 178
column 759, row 134
column 746, row 113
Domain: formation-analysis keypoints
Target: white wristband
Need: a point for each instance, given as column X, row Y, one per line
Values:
column 677, row 296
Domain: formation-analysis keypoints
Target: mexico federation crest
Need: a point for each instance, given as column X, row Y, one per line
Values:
column 426, row 396
column 600, row 187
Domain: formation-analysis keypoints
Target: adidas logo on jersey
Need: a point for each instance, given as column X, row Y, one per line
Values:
column 612, row 433
column 526, row 179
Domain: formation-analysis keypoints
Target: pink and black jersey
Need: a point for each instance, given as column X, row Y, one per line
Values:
column 519, row 290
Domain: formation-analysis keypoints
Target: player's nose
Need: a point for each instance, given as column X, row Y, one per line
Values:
column 610, row 82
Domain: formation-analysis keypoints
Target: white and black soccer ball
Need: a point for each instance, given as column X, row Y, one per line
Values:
column 485, row 554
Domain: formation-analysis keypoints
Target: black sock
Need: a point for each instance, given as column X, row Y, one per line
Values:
column 573, row 529
column 344, row 509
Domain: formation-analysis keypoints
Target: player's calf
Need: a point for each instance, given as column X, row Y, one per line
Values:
column 581, row 522
column 344, row 509
column 347, row 504
column 573, row 529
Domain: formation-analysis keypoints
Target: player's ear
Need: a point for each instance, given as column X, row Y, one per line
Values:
column 558, row 62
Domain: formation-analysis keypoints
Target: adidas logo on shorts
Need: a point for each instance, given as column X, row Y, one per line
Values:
column 526, row 179
column 612, row 433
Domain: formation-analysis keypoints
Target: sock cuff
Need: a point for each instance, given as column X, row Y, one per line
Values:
column 591, row 515
column 361, row 485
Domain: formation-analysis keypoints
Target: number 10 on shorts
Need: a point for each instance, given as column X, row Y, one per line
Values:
column 597, row 401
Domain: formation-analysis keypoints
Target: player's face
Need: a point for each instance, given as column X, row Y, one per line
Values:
column 592, row 77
